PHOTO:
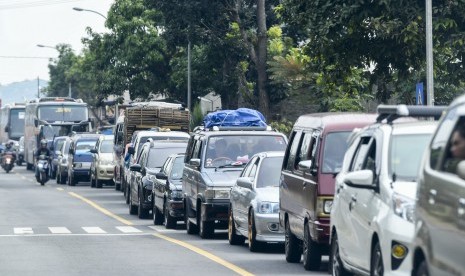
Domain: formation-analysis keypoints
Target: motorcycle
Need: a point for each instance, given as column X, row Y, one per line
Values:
column 42, row 167
column 8, row 161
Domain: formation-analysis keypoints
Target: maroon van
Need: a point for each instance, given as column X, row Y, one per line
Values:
column 313, row 158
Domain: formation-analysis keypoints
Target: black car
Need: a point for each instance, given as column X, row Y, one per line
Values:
column 80, row 158
column 153, row 155
column 167, row 192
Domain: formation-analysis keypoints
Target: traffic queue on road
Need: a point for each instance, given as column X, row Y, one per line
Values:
column 377, row 193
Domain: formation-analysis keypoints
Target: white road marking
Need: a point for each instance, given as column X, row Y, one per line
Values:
column 162, row 229
column 128, row 229
column 59, row 230
column 94, row 230
column 23, row 230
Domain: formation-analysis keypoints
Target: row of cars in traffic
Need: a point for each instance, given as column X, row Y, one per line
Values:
column 377, row 193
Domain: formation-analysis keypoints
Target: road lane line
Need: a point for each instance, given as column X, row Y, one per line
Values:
column 80, row 235
column 60, row 189
column 128, row 229
column 94, row 230
column 59, row 230
column 162, row 229
column 191, row 247
column 206, row 254
column 101, row 209
column 23, row 230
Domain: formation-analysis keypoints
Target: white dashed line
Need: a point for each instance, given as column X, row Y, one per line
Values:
column 94, row 230
column 59, row 230
column 23, row 230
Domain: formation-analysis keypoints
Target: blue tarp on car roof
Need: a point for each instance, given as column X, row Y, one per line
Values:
column 241, row 117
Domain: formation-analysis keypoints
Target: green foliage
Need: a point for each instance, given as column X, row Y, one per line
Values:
column 283, row 126
column 196, row 116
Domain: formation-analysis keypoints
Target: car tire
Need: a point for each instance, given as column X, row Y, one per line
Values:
column 132, row 208
column 376, row 264
column 29, row 166
column 310, row 252
column 92, row 181
column 254, row 245
column 117, row 186
column 191, row 228
column 71, row 181
column 98, row 183
column 58, row 179
column 170, row 221
column 336, row 267
column 233, row 237
column 157, row 216
column 126, row 194
column 53, row 174
column 142, row 213
column 207, row 229
column 422, row 269
column 292, row 248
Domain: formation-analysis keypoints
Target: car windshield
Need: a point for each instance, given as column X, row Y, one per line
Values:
column 158, row 156
column 59, row 144
column 159, row 138
column 85, row 145
column 237, row 150
column 405, row 155
column 178, row 166
column 334, row 150
column 270, row 171
column 67, row 113
column 106, row 146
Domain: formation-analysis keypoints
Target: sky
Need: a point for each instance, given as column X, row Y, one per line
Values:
column 26, row 23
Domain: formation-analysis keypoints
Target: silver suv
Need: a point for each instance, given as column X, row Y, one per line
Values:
column 214, row 159
column 439, row 244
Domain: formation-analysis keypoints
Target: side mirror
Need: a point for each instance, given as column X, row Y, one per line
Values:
column 244, row 182
column 360, row 179
column 93, row 151
column 131, row 150
column 71, row 151
column 7, row 128
column 194, row 162
column 135, row 168
column 36, row 122
column 143, row 171
column 308, row 166
column 161, row 176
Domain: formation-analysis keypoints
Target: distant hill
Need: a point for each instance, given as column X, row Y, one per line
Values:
column 20, row 91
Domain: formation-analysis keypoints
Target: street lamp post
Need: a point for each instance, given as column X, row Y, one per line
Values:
column 96, row 12
column 55, row 48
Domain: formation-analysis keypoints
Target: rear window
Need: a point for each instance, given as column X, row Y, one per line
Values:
column 106, row 146
column 270, row 171
column 85, row 145
column 158, row 156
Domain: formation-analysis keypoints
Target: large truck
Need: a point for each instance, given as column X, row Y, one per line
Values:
column 11, row 122
column 144, row 116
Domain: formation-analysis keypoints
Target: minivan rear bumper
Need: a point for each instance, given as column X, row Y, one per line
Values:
column 215, row 211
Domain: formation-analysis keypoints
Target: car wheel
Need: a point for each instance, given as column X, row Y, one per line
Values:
column 53, row 174
column 310, row 252
column 422, row 269
column 58, row 179
column 207, row 229
column 376, row 267
column 132, row 207
column 117, row 186
column 98, row 183
column 157, row 215
column 142, row 213
column 92, row 181
column 292, row 248
column 233, row 237
column 254, row 245
column 71, row 181
column 191, row 228
column 126, row 194
column 170, row 221
column 335, row 263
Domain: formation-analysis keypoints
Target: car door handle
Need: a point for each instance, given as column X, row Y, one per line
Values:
column 353, row 198
column 432, row 195
column 339, row 188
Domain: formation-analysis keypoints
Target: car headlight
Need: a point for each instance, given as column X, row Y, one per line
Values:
column 268, row 207
column 324, row 205
column 217, row 193
column 404, row 207
column 176, row 194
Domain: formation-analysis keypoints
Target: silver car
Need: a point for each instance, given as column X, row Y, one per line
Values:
column 254, row 202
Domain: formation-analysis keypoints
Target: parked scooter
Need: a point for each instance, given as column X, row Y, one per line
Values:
column 8, row 161
column 43, row 167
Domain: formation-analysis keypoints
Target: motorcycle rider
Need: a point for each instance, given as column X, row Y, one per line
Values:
column 43, row 150
column 9, row 150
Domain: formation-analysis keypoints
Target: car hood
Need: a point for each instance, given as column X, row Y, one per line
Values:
column 408, row 189
column 106, row 156
column 223, row 178
column 83, row 157
column 153, row 171
column 270, row 194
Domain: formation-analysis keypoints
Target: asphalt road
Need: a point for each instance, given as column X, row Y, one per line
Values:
column 62, row 230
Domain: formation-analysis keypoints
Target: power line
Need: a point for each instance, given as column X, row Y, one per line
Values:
column 30, row 57
column 31, row 4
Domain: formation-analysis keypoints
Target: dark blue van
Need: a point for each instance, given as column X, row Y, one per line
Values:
column 80, row 157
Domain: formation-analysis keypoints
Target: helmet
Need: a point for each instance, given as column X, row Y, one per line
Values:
column 43, row 143
column 9, row 145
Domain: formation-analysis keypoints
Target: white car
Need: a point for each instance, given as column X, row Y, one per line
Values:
column 372, row 217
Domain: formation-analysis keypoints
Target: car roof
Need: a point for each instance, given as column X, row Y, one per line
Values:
column 88, row 136
column 162, row 133
column 168, row 144
column 419, row 127
column 333, row 121
column 240, row 132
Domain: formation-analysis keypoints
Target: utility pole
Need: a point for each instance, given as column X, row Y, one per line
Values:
column 69, row 90
column 429, row 54
column 189, row 92
column 38, row 87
